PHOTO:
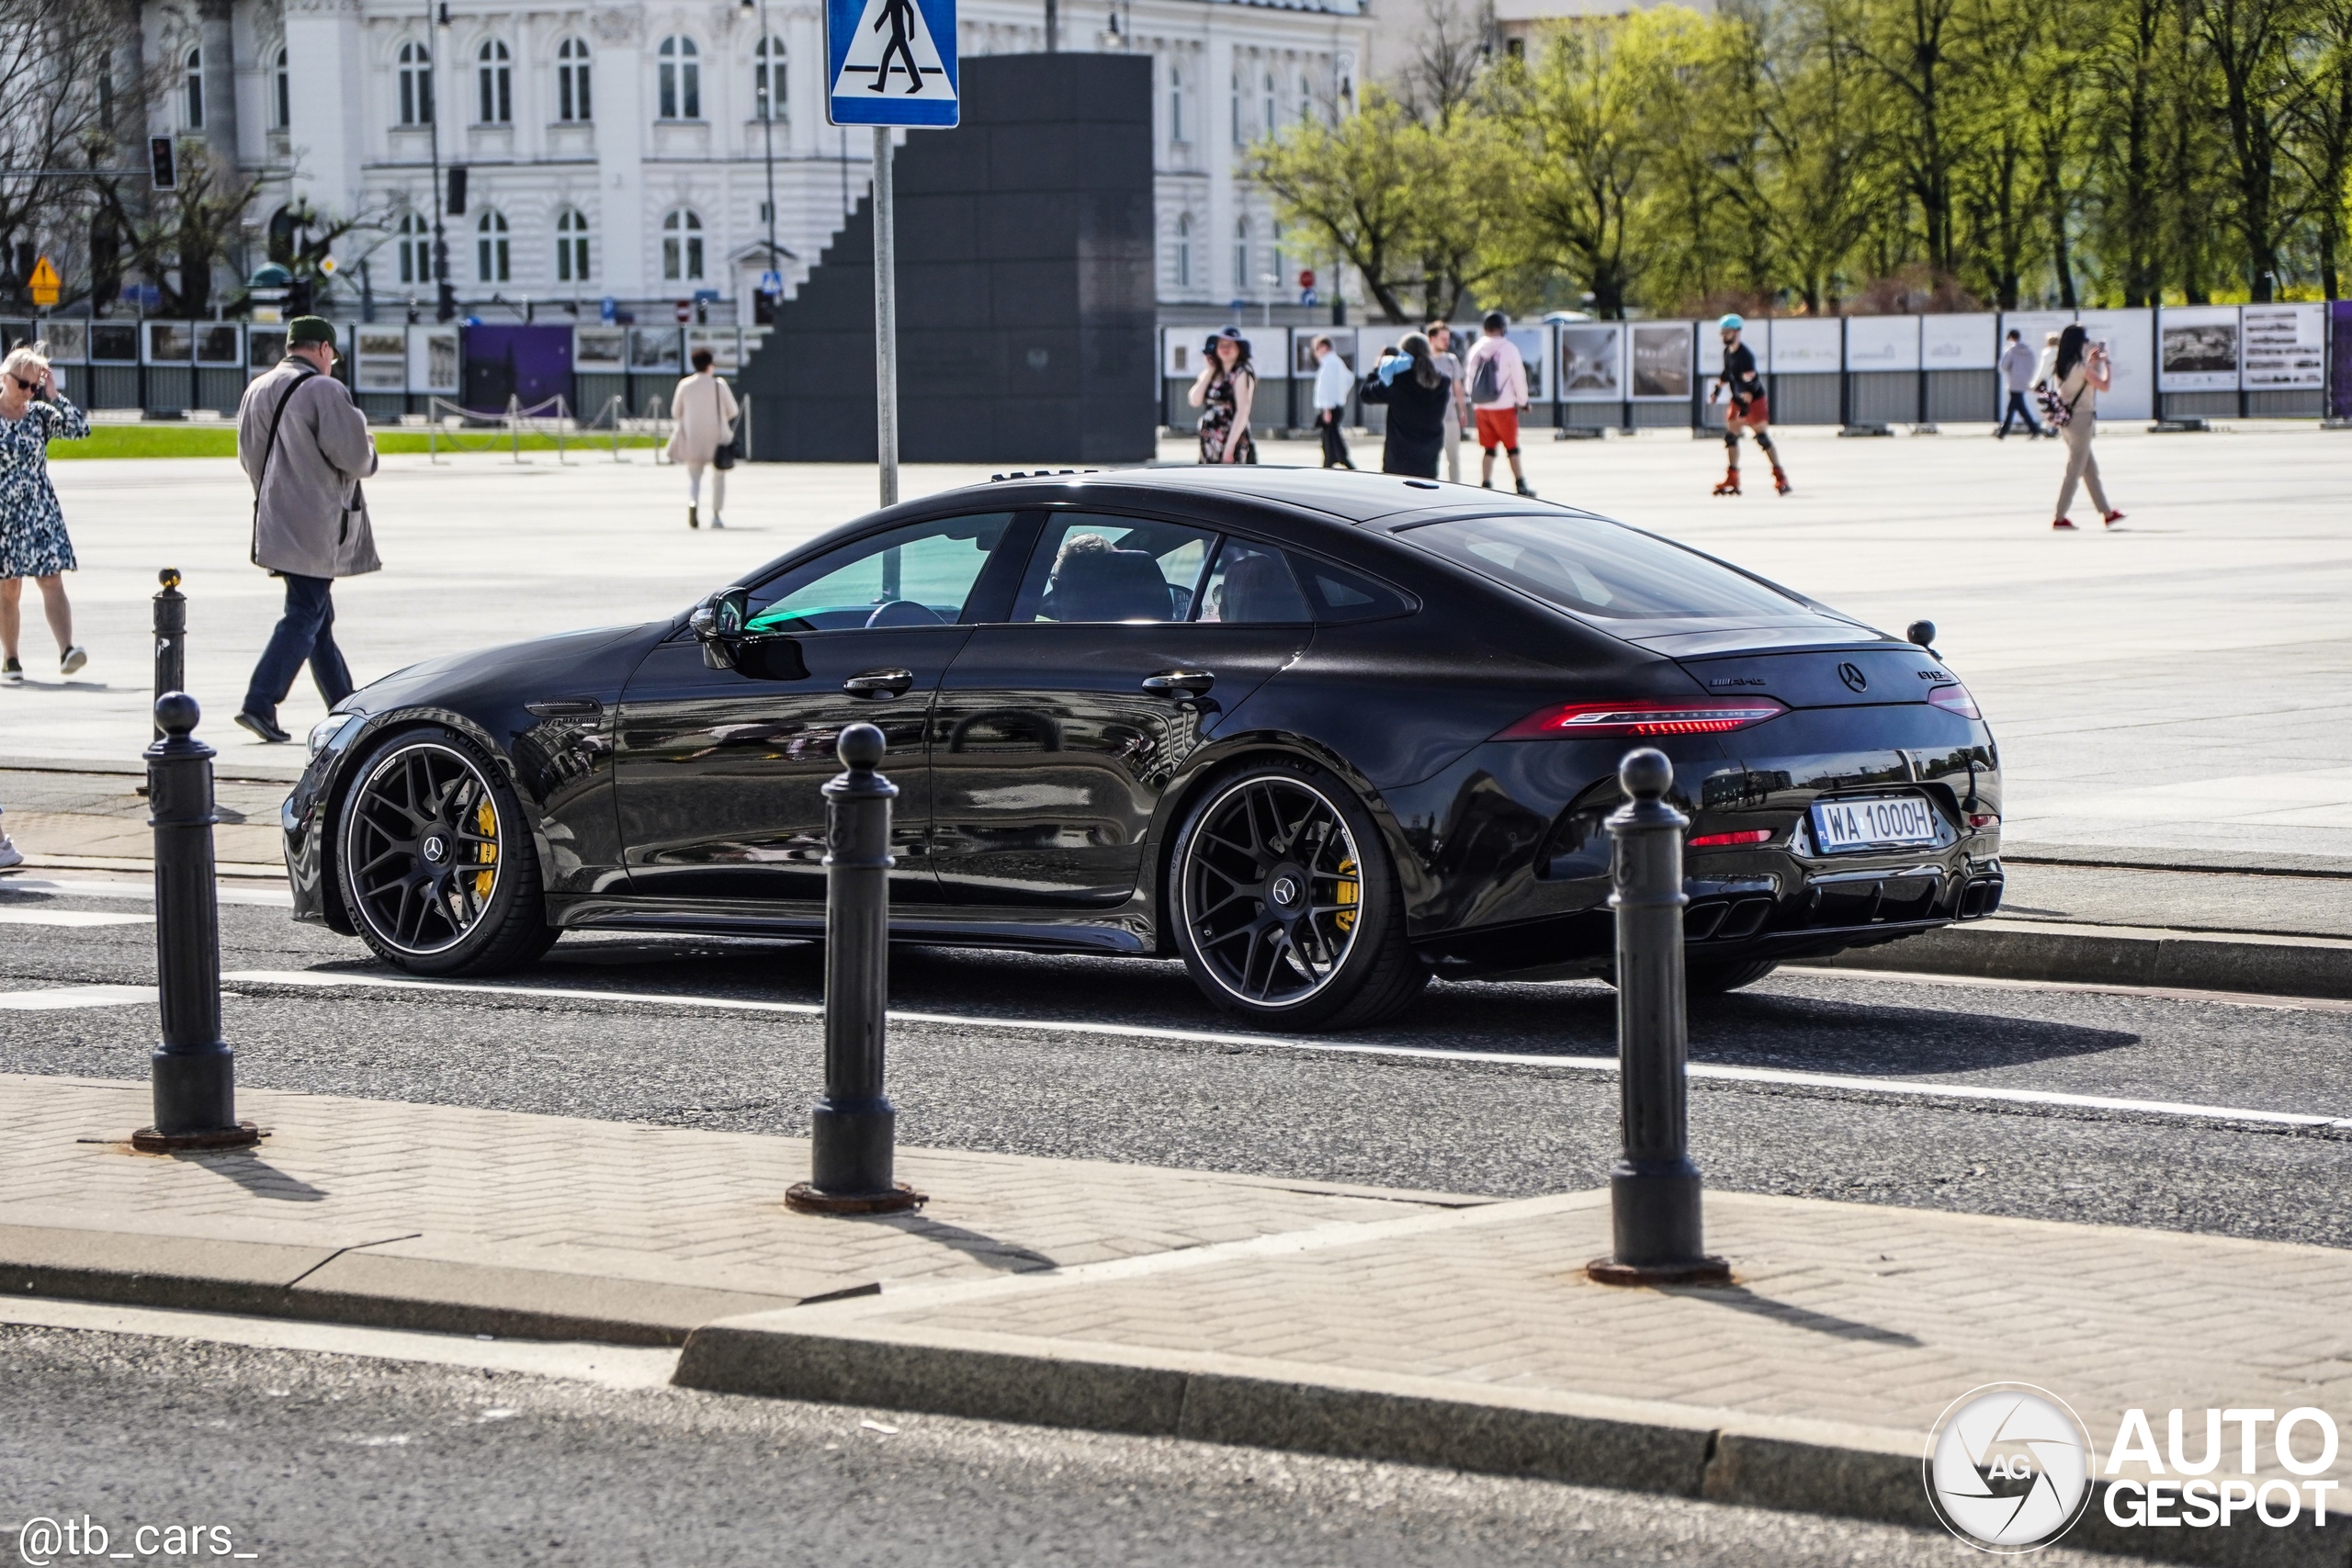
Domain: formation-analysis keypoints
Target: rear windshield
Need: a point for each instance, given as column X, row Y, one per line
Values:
column 1592, row 568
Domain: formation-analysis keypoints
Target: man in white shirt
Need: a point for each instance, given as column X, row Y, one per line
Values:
column 1333, row 382
column 1498, row 379
column 2016, row 378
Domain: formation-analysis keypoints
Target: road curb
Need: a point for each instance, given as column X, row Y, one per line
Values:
column 1787, row 1465
column 2118, row 955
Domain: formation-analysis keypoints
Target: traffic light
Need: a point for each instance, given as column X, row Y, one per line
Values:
column 162, row 163
column 458, row 191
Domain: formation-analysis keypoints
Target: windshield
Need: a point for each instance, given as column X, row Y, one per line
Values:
column 1593, row 568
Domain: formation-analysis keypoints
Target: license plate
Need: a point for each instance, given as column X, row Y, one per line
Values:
column 1885, row 821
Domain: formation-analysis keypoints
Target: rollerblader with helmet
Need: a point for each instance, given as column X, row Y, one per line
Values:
column 1749, row 410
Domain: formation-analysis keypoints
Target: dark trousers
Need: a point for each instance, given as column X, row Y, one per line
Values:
column 305, row 634
column 2020, row 408
column 1335, row 445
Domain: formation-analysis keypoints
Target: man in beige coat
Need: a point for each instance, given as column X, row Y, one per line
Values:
column 305, row 445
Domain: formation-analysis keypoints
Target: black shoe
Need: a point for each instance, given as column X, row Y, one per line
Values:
column 1526, row 490
column 263, row 725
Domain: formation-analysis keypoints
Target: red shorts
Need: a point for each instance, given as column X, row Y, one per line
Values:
column 1498, row 427
column 1759, row 410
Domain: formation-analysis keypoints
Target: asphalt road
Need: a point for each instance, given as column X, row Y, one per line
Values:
column 311, row 1460
column 1430, row 1121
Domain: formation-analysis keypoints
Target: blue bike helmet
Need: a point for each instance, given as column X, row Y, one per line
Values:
column 1730, row 323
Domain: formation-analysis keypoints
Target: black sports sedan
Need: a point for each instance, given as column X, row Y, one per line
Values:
column 1320, row 735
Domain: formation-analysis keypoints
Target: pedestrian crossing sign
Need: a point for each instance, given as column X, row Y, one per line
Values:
column 890, row 62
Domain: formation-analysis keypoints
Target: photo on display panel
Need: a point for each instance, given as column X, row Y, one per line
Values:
column 2286, row 346
column 1588, row 363
column 441, row 361
column 1662, row 360
column 2208, row 348
column 600, row 350
column 383, row 359
column 69, row 341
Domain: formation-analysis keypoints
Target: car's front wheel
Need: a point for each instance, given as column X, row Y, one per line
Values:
column 1285, row 905
column 436, row 861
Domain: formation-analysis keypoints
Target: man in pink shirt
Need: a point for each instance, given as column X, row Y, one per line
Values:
column 1497, row 378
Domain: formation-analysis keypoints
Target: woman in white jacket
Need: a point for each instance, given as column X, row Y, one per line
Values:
column 705, row 410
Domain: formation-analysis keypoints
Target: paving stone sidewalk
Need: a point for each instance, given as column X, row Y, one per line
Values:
column 1404, row 1326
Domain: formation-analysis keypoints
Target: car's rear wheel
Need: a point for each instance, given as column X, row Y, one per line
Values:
column 1285, row 905
column 1714, row 980
column 436, row 861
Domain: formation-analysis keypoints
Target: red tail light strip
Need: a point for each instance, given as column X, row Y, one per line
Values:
column 1954, row 698
column 1745, row 836
column 1571, row 721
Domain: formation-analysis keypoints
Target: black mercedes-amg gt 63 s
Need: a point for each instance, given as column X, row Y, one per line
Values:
column 1320, row 735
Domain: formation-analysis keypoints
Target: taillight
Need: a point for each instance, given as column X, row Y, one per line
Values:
column 1745, row 836
column 1570, row 721
column 1954, row 698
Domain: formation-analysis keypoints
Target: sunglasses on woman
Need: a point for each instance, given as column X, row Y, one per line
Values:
column 28, row 386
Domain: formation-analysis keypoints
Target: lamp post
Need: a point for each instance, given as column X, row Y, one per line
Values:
column 769, row 67
column 437, row 29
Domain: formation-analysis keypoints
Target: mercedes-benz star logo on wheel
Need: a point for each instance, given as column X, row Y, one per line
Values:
column 2008, row 1467
column 1853, row 677
column 1285, row 890
column 434, row 847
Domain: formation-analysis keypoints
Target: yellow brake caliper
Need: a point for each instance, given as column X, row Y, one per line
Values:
column 485, row 823
column 1346, row 918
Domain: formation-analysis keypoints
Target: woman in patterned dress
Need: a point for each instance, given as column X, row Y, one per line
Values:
column 1223, row 394
column 33, row 544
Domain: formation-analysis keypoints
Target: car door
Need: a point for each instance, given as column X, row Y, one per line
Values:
column 1131, row 639
column 719, row 772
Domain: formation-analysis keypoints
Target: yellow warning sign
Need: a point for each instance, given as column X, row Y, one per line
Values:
column 44, row 282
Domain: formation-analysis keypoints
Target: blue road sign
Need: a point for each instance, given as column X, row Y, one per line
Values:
column 891, row 62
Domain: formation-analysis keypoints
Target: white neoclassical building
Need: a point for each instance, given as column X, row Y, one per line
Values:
column 622, row 151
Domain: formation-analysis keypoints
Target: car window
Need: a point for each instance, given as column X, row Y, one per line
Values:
column 916, row 576
column 1341, row 596
column 1593, row 568
column 1093, row 566
column 1252, row 585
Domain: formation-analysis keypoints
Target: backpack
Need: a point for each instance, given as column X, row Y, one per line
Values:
column 2057, row 412
column 1486, row 381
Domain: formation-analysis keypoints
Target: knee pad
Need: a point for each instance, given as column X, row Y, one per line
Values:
column 1731, row 441
column 1763, row 441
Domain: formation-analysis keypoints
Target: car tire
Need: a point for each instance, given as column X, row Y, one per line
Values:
column 1285, row 905
column 435, row 858
column 1715, row 979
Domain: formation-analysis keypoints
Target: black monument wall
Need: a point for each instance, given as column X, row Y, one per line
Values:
column 1026, row 304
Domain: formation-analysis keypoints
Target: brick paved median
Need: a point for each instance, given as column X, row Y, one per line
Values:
column 1423, row 1327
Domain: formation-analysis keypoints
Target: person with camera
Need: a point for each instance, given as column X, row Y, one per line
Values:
column 2077, row 376
column 703, row 406
column 33, row 542
column 1223, row 392
column 1408, row 383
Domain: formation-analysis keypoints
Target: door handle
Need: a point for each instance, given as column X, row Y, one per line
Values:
column 880, row 683
column 1191, row 682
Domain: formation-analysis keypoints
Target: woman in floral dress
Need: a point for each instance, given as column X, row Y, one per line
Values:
column 33, row 542
column 1223, row 394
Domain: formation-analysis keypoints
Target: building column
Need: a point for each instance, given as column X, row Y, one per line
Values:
column 327, row 89
column 622, row 222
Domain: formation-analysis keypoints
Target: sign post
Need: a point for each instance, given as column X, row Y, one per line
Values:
column 889, row 63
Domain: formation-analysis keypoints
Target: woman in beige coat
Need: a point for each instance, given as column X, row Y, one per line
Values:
column 705, row 411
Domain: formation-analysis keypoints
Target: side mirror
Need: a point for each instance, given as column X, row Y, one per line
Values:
column 717, row 624
column 1924, row 634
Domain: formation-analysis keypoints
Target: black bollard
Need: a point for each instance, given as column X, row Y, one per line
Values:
column 171, row 639
column 193, row 1071
column 855, row 1125
column 1654, row 1188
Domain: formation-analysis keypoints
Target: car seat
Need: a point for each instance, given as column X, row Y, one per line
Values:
column 1110, row 585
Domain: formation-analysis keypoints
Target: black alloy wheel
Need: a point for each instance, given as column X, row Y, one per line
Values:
column 1285, row 907
column 435, row 860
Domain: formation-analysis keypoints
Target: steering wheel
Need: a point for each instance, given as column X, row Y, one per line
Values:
column 904, row 612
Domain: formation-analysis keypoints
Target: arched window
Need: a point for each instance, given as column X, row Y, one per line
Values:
column 768, row 95
column 679, row 79
column 491, row 259
column 571, row 246
column 192, row 90
column 1175, row 103
column 416, row 84
column 1184, row 251
column 572, row 82
column 495, row 73
column 682, row 247
column 281, row 90
column 1273, row 116
column 1241, row 255
column 414, row 240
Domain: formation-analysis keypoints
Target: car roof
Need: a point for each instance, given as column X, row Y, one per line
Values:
column 1385, row 499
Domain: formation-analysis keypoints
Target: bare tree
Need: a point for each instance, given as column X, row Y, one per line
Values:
column 57, row 60
column 1448, row 59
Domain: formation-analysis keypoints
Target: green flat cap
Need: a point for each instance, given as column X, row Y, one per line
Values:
column 310, row 329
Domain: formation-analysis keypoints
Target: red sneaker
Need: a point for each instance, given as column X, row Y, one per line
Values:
column 2113, row 518
column 2064, row 525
